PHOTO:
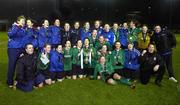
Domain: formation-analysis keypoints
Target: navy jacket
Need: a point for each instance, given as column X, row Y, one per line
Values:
column 26, row 68
column 75, row 36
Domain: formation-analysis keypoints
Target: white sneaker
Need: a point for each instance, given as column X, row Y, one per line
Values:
column 59, row 80
column 173, row 79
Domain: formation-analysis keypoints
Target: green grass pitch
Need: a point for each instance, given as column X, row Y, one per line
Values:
column 91, row 92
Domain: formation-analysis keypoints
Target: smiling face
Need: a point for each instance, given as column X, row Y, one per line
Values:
column 104, row 48
column 130, row 46
column 68, row 44
column 118, row 45
column 106, row 27
column 59, row 48
column 94, row 33
column 46, row 23
column 47, row 48
column 101, row 39
column 151, row 48
column 29, row 23
column 86, row 42
column 76, row 25
column 66, row 27
column 157, row 29
column 29, row 49
column 57, row 22
column 125, row 25
column 21, row 21
column 79, row 43
column 132, row 24
column 115, row 26
column 144, row 29
column 102, row 60
column 97, row 24
column 87, row 25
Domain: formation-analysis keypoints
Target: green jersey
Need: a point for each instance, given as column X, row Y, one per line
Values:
column 43, row 61
column 118, row 59
column 133, row 35
column 76, row 56
column 89, row 57
column 100, row 69
column 68, row 57
column 99, row 45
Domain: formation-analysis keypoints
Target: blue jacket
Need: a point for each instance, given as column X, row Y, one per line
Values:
column 56, row 61
column 16, row 35
column 109, row 36
column 99, row 31
column 84, row 34
column 131, row 59
column 31, row 37
column 56, row 34
column 44, row 36
column 124, row 37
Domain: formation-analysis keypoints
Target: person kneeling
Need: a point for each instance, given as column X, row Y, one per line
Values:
column 56, row 65
column 43, row 62
column 27, row 76
column 150, row 63
column 106, row 73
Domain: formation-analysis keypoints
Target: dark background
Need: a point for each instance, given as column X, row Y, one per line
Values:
column 164, row 12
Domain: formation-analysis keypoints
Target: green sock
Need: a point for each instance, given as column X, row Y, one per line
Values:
column 124, row 81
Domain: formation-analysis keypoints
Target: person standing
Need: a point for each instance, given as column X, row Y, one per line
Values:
column 56, row 34
column 165, row 41
column 15, row 47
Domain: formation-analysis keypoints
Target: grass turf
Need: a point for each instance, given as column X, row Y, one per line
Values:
column 91, row 92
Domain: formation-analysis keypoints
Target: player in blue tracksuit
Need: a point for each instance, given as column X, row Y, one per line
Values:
column 97, row 26
column 56, row 64
column 108, row 34
column 131, row 62
column 44, row 35
column 124, row 36
column 85, row 31
column 15, row 47
column 56, row 33
column 31, row 34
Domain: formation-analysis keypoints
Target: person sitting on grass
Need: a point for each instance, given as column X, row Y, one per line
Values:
column 105, row 71
column 104, row 52
column 56, row 65
column 43, row 63
column 118, row 58
column 27, row 76
column 150, row 63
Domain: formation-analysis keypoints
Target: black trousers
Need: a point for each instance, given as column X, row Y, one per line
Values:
column 145, row 74
column 131, row 74
column 167, row 60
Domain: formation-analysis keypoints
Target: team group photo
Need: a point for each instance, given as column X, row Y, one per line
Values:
column 78, row 58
